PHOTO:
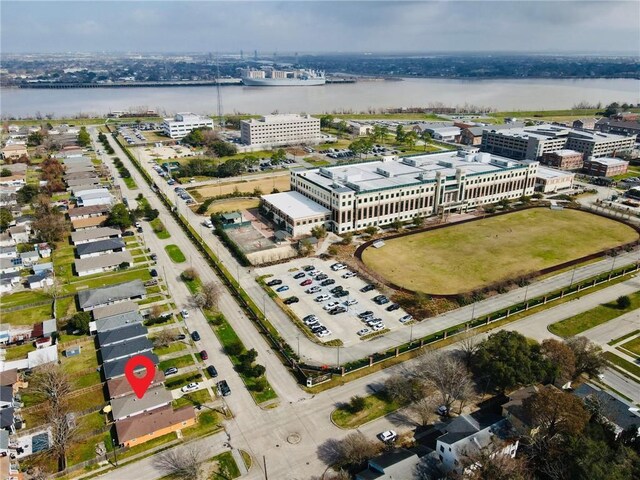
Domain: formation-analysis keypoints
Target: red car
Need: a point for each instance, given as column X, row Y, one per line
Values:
column 308, row 281
column 203, row 355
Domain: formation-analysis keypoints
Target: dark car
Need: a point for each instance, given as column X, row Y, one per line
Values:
column 139, row 229
column 306, row 282
column 128, row 233
column 341, row 293
column 195, row 336
column 223, row 388
column 308, row 268
column 322, row 276
column 367, row 288
column 212, row 371
column 273, row 283
column 204, row 355
column 153, row 272
column 336, row 289
column 170, row 371
column 381, row 300
column 154, row 257
column 180, row 337
column 299, row 275
column 366, row 314
column 337, row 310
column 327, row 282
column 392, row 307
column 291, row 300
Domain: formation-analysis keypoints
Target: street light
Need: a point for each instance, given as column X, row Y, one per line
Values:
column 115, row 455
column 298, row 337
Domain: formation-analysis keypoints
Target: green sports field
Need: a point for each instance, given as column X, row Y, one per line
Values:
column 466, row 257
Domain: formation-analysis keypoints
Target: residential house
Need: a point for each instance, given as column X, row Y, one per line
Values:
column 9, row 252
column 115, row 322
column 114, row 309
column 94, row 234
column 98, row 196
column 88, row 212
column 515, row 413
column 40, row 280
column 398, row 464
column 79, row 175
column 10, row 265
column 41, row 267
column 29, row 258
column 15, row 181
column 6, row 397
column 101, row 247
column 619, row 414
column 44, row 250
column 131, row 405
column 7, row 419
column 20, row 233
column 469, row 434
column 116, row 369
column 100, row 297
column 120, row 335
column 153, row 424
column 125, row 349
column 86, row 223
column 120, row 387
column 14, row 150
column 102, row 263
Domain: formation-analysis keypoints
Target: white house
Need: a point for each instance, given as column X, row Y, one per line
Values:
column 40, row 280
column 19, row 233
column 95, row 196
column 29, row 258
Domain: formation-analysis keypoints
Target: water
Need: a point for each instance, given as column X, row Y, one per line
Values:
column 504, row 95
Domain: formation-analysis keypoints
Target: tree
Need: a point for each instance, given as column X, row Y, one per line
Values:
column 234, row 348
column 426, row 138
column 119, row 216
column 49, row 225
column 355, row 449
column 278, row 156
column 5, row 218
column 623, row 302
column 468, row 346
column 555, row 412
column 183, row 463
column 52, row 383
column 447, row 375
column 5, row 172
column 63, row 430
column 326, row 121
column 319, row 232
column 164, row 338
column 35, row 138
column 399, row 134
column 371, row 230
column 342, row 127
column 506, row 360
column 417, row 221
column 211, row 292
column 397, row 224
column 357, row 404
column 190, row 274
column 410, row 138
column 26, row 194
column 425, row 409
column 561, row 356
column 492, row 464
column 588, row 356
column 403, row 388
column 83, row 139
column 80, row 321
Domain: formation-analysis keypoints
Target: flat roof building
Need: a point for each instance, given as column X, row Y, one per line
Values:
column 564, row 159
column 94, row 235
column 294, row 212
column 183, row 123
column 549, row 180
column 280, row 130
column 606, row 167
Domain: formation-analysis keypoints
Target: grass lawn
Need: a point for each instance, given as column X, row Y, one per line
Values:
column 592, row 318
column 184, row 361
column 130, row 183
column 87, row 380
column 233, row 205
column 621, row 363
column 623, row 337
column 175, row 254
column 316, row 162
column 87, row 360
column 207, row 421
column 172, row 348
column 225, row 466
column 633, row 345
column 281, row 182
column 29, row 316
column 23, row 298
column 84, row 450
column 181, row 380
column 88, row 399
column 65, row 307
column 18, row 351
column 192, row 399
column 159, row 229
column 455, row 259
column 376, row 406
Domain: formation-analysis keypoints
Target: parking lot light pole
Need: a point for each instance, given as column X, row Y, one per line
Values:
column 338, row 356
column 298, row 337
column 115, row 455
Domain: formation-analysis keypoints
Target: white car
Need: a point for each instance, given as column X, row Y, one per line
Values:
column 184, row 314
column 377, row 327
column 338, row 266
column 353, row 301
column 313, row 273
column 406, row 318
column 388, row 436
column 331, row 305
column 349, row 275
column 324, row 333
column 362, row 332
column 189, row 388
column 322, row 298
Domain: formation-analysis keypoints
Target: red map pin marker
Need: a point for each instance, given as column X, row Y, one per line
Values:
column 138, row 383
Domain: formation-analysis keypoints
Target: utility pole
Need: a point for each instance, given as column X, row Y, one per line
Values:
column 264, row 461
column 220, row 117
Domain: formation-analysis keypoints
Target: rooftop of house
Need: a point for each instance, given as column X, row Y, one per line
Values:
column 108, row 260
column 115, row 309
column 128, row 405
column 117, row 335
column 106, row 245
column 125, row 348
column 116, row 369
column 118, row 321
column 614, row 409
column 110, row 294
column 152, row 421
column 95, row 233
column 120, row 386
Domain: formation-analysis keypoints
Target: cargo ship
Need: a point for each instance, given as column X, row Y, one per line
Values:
column 270, row 77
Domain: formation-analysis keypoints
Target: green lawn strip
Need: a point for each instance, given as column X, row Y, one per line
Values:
column 225, row 466
column 143, row 447
column 193, row 285
column 192, row 399
column 623, row 337
column 175, row 254
column 65, row 307
column 246, row 458
column 159, row 229
column 84, row 450
column 28, row 316
column 14, row 352
column 84, row 362
column 228, row 336
column 179, row 362
column 207, row 422
column 88, row 399
column 622, row 363
column 87, row 380
column 90, row 422
column 592, row 318
column 377, row 405
column 102, row 280
column 23, row 298
column 130, row 183
column 172, row 348
column 633, row 346
column 627, row 352
column 181, row 380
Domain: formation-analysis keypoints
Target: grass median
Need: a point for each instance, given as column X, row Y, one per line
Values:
column 376, row 406
column 159, row 229
column 175, row 254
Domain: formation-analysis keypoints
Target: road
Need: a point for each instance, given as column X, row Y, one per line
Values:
column 290, row 436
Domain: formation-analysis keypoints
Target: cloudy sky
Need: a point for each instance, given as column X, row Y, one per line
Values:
column 601, row 26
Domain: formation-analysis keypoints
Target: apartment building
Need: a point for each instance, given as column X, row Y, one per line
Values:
column 379, row 192
column 563, row 159
column 605, row 167
column 182, row 124
column 279, row 130
column 532, row 143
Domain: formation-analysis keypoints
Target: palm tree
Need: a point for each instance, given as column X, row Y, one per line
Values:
column 426, row 138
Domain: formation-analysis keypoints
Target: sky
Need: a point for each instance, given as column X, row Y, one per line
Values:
column 556, row 26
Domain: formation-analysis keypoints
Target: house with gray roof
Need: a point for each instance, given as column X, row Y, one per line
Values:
column 95, row 234
column 115, row 309
column 619, row 414
column 100, row 297
column 102, row 263
column 75, row 183
column 88, row 212
column 41, row 279
column 119, row 335
column 399, row 463
column 118, row 321
column 125, row 349
column 131, row 405
column 101, row 247
column 29, row 258
column 116, row 369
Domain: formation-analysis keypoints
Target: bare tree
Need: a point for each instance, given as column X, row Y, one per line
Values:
column 211, row 292
column 183, row 463
column 403, row 388
column 355, row 449
column 52, row 382
column 63, row 430
column 447, row 375
column 468, row 346
column 491, row 463
column 156, row 311
column 425, row 409
column 164, row 338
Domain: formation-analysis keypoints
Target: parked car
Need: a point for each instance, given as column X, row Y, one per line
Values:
column 388, row 436
column 212, row 371
column 274, row 282
column 392, row 307
column 363, row 331
column 309, row 318
column 170, row 371
column 223, row 388
column 336, row 289
column 443, row 410
column 314, row 289
column 331, row 305
column 308, row 268
column 338, row 266
column 139, row 229
column 306, row 282
column 322, row 276
column 366, row 314
column 406, row 318
column 154, row 257
column 367, row 288
column 349, row 275
column 195, row 336
column 204, row 355
column 322, row 298
column 283, row 288
column 153, row 272
column 337, row 310
column 191, row 387
column 128, row 233
column 180, row 337
column 290, row 300
column 327, row 282
column 299, row 275
column 184, row 313
column 377, row 327
column 324, row 333
column 351, row 302
column 341, row 293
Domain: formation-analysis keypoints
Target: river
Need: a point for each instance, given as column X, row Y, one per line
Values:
column 504, row 95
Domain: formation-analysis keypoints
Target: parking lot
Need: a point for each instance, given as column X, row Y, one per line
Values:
column 343, row 326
